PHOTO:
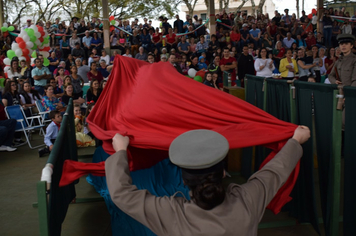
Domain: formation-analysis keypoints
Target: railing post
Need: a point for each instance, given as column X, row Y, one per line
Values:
column 42, row 207
column 336, row 167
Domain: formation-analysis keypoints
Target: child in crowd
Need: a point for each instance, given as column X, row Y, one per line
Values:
column 60, row 77
column 227, row 38
column 184, row 65
column 82, row 139
column 86, row 126
column 67, row 80
column 201, row 63
column 78, row 112
column 51, row 132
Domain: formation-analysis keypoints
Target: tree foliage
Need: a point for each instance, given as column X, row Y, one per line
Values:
column 66, row 9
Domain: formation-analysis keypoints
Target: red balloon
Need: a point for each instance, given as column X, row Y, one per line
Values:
column 310, row 16
column 5, row 34
column 27, row 58
column 201, row 74
column 19, row 40
column 40, row 28
column 46, row 49
column 313, row 11
column 112, row 28
column 25, row 51
column 111, row 18
column 42, row 33
column 22, row 45
column 41, row 39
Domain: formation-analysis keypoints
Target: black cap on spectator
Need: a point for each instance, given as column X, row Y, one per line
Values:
column 77, row 44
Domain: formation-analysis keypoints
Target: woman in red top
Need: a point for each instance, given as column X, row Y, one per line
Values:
column 330, row 60
column 121, row 42
column 171, row 40
column 310, row 40
column 157, row 39
column 94, row 73
column 235, row 37
column 278, row 53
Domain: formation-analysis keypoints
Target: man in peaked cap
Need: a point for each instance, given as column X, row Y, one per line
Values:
column 344, row 70
column 212, row 210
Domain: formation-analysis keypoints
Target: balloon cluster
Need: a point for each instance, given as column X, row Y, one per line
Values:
column 313, row 16
column 113, row 23
column 196, row 75
column 27, row 42
column 5, row 28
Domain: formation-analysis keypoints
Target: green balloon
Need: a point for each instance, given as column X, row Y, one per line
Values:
column 45, row 41
column 30, row 31
column 113, row 22
column 33, row 38
column 10, row 54
column 45, row 62
column 34, row 55
column 198, row 78
column 3, row 29
column 11, row 28
column 34, row 47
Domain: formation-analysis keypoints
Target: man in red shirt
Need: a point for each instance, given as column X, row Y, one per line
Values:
column 228, row 64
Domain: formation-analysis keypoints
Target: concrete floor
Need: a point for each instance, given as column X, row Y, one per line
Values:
column 21, row 170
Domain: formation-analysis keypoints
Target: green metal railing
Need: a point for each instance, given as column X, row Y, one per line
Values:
column 253, row 95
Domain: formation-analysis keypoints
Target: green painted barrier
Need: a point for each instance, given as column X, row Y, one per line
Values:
column 314, row 105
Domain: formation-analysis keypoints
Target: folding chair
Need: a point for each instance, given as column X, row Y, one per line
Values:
column 23, row 125
column 42, row 112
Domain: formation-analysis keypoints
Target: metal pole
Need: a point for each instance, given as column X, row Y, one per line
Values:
column 106, row 29
column 212, row 27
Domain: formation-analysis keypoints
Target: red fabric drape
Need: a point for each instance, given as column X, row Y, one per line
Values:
column 153, row 104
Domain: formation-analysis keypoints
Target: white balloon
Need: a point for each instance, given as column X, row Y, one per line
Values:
column 314, row 20
column 18, row 52
column 5, row 25
column 192, row 72
column 46, row 34
column 38, row 42
column 33, row 27
column 14, row 46
column 29, row 44
column 22, row 58
column 26, row 38
column 7, row 61
column 44, row 53
column 38, row 34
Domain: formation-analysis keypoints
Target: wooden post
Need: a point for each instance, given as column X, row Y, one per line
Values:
column 1, row 12
column 212, row 27
column 106, row 29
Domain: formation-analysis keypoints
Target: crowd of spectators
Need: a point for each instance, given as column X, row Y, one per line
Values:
column 243, row 44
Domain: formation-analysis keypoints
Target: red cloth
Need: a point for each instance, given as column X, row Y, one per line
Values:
column 153, row 104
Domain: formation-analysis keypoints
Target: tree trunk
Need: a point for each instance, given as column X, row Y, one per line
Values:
column 260, row 6
column 297, row 2
column 302, row 5
column 253, row 5
column 221, row 5
column 238, row 9
column 226, row 5
column 190, row 6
